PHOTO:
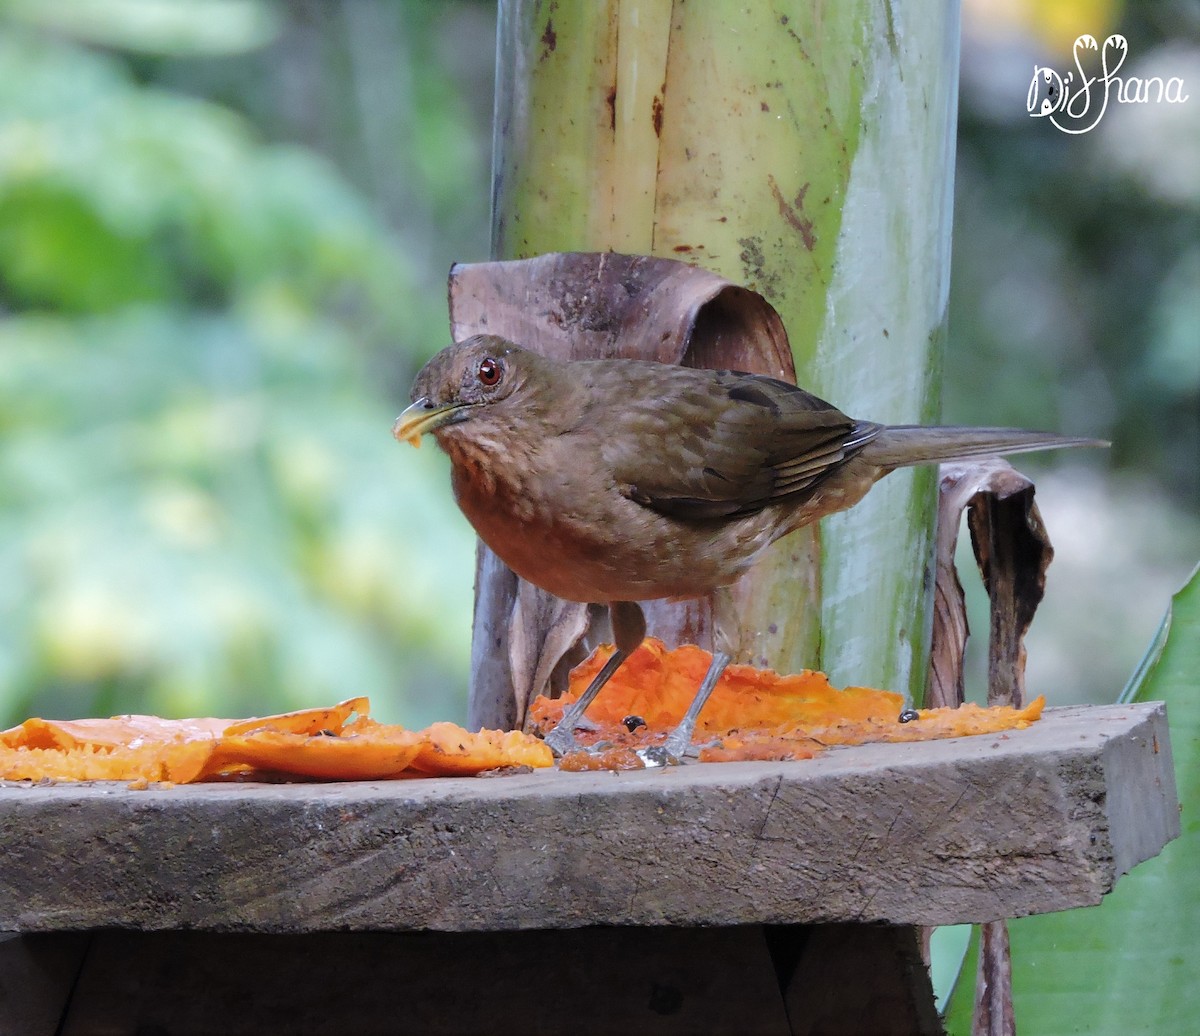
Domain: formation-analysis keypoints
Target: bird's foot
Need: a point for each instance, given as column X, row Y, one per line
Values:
column 657, row 755
column 678, row 746
column 562, row 740
column 675, row 751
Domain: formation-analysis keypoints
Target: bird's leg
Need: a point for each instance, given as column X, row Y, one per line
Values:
column 629, row 630
column 562, row 738
column 679, row 741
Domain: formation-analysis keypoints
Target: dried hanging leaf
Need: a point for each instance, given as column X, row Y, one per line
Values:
column 1013, row 551
column 597, row 305
column 542, row 631
column 577, row 305
column 993, row 1014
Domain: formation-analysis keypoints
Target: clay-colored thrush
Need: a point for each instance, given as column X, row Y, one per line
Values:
column 617, row 481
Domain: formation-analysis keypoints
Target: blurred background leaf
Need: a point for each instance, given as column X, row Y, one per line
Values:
column 205, row 336
column 1126, row 966
column 225, row 227
column 155, row 26
column 1075, row 304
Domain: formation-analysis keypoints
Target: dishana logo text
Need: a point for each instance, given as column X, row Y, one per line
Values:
column 1076, row 102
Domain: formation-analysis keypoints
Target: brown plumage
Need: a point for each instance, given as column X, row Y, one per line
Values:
column 612, row 481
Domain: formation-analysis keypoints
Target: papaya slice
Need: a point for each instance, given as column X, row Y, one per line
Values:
column 314, row 744
column 448, row 750
column 753, row 713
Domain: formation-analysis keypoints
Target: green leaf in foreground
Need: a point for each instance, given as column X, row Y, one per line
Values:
column 1128, row 965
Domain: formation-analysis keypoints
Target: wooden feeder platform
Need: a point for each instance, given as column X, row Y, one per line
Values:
column 737, row 897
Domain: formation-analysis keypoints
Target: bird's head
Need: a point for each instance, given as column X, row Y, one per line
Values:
column 467, row 383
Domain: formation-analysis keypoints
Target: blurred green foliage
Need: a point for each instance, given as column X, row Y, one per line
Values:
column 225, row 227
column 1075, row 305
column 204, row 338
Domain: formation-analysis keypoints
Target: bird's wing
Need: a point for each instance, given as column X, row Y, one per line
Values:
column 716, row 444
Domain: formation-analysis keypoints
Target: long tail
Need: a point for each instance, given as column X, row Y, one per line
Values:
column 897, row 446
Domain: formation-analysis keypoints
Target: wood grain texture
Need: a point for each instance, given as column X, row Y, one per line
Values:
column 942, row 832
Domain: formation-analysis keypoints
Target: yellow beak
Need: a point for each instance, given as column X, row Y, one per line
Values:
column 423, row 417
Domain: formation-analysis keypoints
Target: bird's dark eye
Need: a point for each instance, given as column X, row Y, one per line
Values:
column 490, row 371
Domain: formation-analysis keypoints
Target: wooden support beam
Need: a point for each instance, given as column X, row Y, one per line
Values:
column 742, row 981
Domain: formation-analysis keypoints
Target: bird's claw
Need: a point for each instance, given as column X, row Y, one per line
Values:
column 675, row 751
column 562, row 738
column 562, row 741
column 657, row 755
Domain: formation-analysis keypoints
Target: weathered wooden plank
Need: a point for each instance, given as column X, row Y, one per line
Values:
column 741, row 980
column 579, row 981
column 936, row 833
column 854, row 978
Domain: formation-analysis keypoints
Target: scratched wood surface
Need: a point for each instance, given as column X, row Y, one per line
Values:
column 970, row 829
